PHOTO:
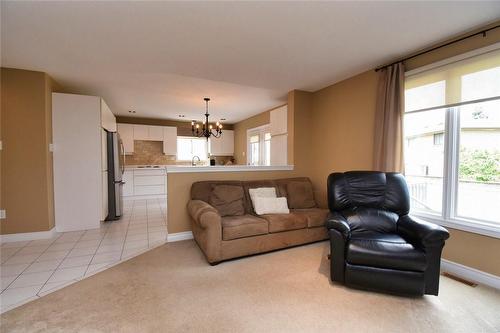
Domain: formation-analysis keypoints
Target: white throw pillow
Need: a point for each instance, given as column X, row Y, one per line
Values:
column 270, row 205
column 262, row 192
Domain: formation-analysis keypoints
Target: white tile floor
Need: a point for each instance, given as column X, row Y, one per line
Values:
column 32, row 269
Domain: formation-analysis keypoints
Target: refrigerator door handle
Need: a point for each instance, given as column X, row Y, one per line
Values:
column 122, row 151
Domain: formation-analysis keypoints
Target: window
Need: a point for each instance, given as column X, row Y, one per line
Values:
column 438, row 139
column 259, row 146
column 188, row 147
column 452, row 136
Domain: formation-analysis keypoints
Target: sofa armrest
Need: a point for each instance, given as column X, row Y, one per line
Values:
column 423, row 233
column 207, row 229
column 336, row 221
column 203, row 213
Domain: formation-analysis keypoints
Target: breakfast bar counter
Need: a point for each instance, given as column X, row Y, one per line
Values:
column 226, row 168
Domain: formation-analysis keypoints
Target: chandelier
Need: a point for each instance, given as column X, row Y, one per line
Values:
column 207, row 130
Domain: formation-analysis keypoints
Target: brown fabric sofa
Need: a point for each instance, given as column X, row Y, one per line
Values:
column 225, row 225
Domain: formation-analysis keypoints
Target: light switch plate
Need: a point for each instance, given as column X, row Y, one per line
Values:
column 1, row 146
column 3, row 214
column 51, row 147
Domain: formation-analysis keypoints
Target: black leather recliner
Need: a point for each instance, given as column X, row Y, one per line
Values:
column 374, row 243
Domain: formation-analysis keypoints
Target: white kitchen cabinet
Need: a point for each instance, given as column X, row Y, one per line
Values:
column 279, row 144
column 149, row 190
column 155, row 133
column 145, row 183
column 126, row 132
column 215, row 146
column 149, row 180
column 223, row 146
column 141, row 132
column 78, row 168
column 128, row 187
column 108, row 119
column 228, row 143
column 278, row 121
column 170, row 140
column 148, row 132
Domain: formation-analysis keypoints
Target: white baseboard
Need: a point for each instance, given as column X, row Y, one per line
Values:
column 27, row 236
column 470, row 273
column 179, row 236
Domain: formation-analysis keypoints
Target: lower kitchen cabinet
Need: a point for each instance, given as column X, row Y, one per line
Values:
column 128, row 187
column 145, row 182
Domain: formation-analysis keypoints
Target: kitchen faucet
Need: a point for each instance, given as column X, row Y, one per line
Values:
column 193, row 162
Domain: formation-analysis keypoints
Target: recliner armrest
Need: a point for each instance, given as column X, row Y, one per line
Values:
column 421, row 232
column 336, row 221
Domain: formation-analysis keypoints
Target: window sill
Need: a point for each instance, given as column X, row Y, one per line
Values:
column 477, row 227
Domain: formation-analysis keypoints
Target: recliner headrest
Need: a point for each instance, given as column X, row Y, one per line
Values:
column 382, row 190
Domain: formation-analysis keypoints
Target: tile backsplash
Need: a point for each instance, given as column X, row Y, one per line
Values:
column 151, row 153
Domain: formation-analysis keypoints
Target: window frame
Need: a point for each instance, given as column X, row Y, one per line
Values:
column 448, row 216
column 261, row 132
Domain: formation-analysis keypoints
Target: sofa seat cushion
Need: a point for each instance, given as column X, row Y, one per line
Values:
column 234, row 227
column 384, row 250
column 315, row 217
column 284, row 222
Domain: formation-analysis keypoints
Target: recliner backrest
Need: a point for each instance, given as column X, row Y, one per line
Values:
column 381, row 190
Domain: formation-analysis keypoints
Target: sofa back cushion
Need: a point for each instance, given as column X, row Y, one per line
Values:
column 300, row 195
column 227, row 199
column 202, row 190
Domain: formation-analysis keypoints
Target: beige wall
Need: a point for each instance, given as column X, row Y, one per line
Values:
column 342, row 128
column 26, row 172
column 240, row 134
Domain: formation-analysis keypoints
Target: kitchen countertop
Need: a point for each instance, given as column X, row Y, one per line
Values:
column 140, row 167
column 225, row 168
column 216, row 168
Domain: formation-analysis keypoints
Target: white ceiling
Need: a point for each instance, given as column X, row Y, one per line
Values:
column 162, row 58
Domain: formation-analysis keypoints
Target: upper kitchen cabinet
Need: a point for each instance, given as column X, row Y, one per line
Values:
column 126, row 132
column 278, row 121
column 141, row 132
column 148, row 132
column 169, row 140
column 108, row 120
column 155, row 133
column 223, row 146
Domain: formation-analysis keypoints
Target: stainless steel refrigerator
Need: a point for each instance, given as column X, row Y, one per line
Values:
column 116, row 165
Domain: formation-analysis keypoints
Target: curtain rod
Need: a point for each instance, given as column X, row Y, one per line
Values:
column 482, row 32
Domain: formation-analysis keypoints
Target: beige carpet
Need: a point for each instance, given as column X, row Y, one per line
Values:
column 173, row 289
